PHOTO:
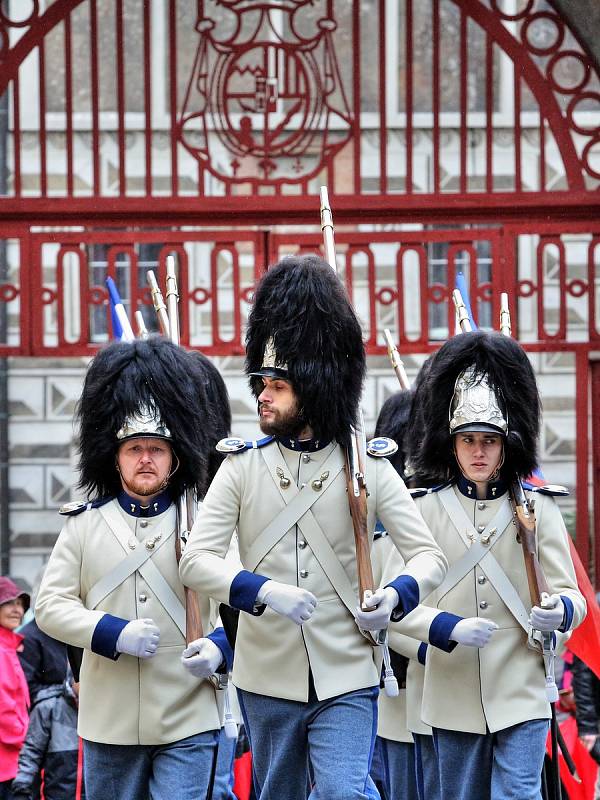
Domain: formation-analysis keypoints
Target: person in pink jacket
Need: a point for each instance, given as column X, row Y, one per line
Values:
column 14, row 694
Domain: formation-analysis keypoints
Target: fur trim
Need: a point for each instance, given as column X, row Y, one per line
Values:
column 303, row 306
column 186, row 388
column 512, row 378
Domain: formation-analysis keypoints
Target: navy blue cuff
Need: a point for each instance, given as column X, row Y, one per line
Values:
column 220, row 639
column 106, row 633
column 408, row 592
column 422, row 653
column 440, row 630
column 567, row 620
column 243, row 591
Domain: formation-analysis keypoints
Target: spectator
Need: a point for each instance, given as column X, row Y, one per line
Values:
column 14, row 695
column 44, row 660
column 52, row 745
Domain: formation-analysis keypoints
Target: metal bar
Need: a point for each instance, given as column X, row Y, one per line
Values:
column 517, row 130
column 489, row 114
column 356, row 96
column 173, row 96
column 69, row 104
column 17, row 135
column 95, row 99
column 147, row 99
column 436, row 95
column 42, row 123
column 463, row 100
column 4, row 433
column 120, row 56
column 409, row 96
column 595, row 391
column 542, row 153
column 383, row 128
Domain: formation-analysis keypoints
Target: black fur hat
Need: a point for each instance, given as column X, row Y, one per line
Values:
column 511, row 377
column 302, row 311
column 185, row 388
column 392, row 422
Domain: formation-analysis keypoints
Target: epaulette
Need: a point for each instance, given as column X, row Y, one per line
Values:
column 551, row 489
column 381, row 447
column 423, row 490
column 380, row 531
column 233, row 444
column 77, row 506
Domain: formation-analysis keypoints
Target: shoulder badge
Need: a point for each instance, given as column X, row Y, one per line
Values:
column 551, row 489
column 423, row 490
column 77, row 506
column 233, row 444
column 73, row 508
column 381, row 447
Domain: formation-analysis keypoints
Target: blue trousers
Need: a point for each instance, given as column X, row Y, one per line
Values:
column 326, row 743
column 223, row 784
column 506, row 765
column 177, row 771
column 426, row 768
column 398, row 769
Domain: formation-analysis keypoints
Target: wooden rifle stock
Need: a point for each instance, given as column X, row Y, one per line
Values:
column 186, row 505
column 525, row 521
column 356, row 452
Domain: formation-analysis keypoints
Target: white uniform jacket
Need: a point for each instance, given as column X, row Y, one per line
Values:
column 251, row 490
column 123, row 699
column 503, row 683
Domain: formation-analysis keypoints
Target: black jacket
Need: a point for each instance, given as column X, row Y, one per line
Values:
column 51, row 744
column 586, row 688
column 44, row 659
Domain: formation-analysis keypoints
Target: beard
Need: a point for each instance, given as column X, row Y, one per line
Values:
column 147, row 489
column 287, row 424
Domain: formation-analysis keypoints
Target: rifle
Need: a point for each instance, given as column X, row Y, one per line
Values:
column 168, row 318
column 397, row 364
column 356, row 452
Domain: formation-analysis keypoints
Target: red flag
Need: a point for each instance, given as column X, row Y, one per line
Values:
column 585, row 640
column 587, row 768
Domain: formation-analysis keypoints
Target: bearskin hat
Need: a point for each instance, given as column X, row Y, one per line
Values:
column 303, row 317
column 187, row 392
column 511, row 377
column 392, row 422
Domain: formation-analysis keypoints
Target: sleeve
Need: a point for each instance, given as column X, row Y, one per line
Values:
column 203, row 566
column 425, row 563
column 59, row 609
column 32, row 661
column 555, row 560
column 33, row 752
column 585, row 689
column 13, row 721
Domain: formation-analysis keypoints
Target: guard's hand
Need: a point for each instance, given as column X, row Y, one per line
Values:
column 201, row 658
column 139, row 638
column 549, row 616
column 383, row 601
column 289, row 601
column 473, row 631
column 588, row 740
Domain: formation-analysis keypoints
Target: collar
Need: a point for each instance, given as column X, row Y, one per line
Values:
column 302, row 446
column 10, row 638
column 468, row 488
column 135, row 508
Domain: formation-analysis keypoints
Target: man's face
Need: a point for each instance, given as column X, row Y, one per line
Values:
column 278, row 409
column 144, row 465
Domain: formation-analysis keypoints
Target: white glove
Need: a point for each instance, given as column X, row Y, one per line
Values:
column 289, row 601
column 384, row 601
column 549, row 616
column 139, row 638
column 202, row 657
column 473, row 631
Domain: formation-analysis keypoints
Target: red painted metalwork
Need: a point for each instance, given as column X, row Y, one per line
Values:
column 595, row 409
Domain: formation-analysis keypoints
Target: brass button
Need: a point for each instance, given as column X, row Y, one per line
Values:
column 301, row 544
column 481, row 579
column 142, row 598
column 481, row 505
column 481, row 528
column 304, row 573
column 143, row 523
column 483, row 604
